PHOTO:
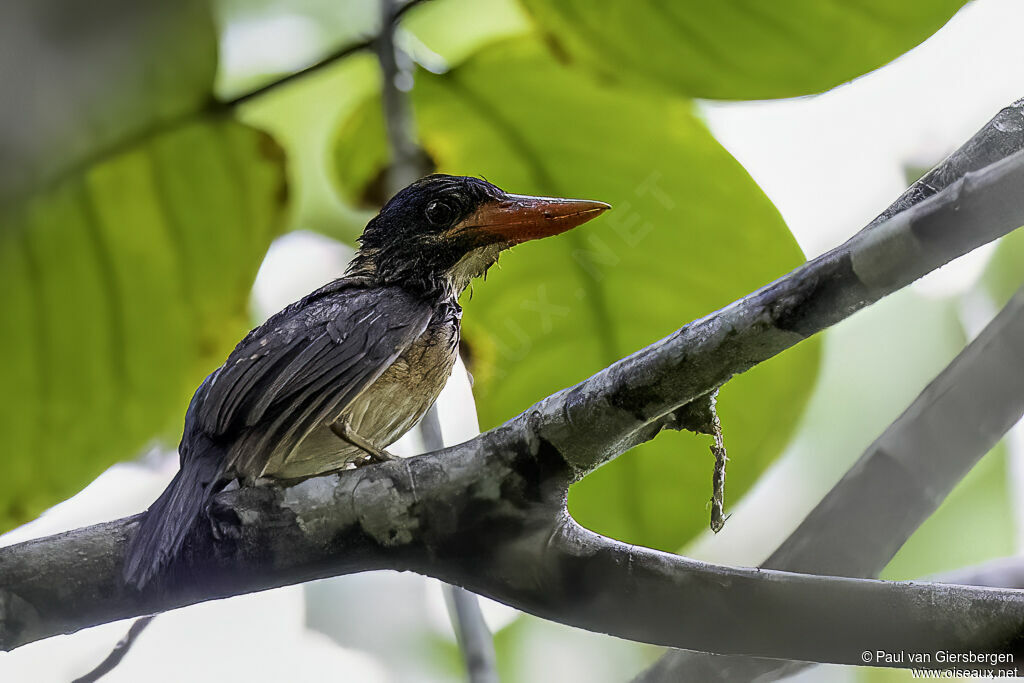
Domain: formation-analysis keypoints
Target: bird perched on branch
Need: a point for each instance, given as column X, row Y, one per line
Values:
column 333, row 379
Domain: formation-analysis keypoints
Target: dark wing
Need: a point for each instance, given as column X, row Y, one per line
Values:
column 305, row 364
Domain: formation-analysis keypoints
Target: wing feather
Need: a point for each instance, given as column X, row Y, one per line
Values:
column 308, row 362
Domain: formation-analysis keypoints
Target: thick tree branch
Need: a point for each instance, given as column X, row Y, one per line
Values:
column 843, row 536
column 899, row 481
column 489, row 514
column 453, row 515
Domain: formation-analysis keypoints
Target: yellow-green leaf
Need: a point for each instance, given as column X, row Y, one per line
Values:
column 738, row 49
column 82, row 77
column 124, row 284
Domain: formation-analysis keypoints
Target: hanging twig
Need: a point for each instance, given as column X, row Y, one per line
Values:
column 119, row 651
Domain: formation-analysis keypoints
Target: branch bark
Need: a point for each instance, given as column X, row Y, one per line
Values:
column 842, row 535
column 906, row 474
column 490, row 514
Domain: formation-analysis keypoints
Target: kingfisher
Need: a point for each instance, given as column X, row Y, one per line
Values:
column 330, row 381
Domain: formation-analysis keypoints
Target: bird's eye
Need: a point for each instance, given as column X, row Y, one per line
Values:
column 439, row 213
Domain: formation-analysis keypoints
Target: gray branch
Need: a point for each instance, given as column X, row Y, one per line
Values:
column 1005, row 572
column 408, row 161
column 474, row 638
column 489, row 514
column 905, row 474
column 910, row 469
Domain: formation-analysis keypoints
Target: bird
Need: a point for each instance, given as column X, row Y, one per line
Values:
column 330, row 381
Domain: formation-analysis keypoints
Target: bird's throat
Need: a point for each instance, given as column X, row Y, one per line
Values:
column 472, row 265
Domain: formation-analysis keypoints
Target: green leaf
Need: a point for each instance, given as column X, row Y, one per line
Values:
column 124, row 284
column 689, row 233
column 738, row 49
column 454, row 30
column 84, row 77
column 305, row 131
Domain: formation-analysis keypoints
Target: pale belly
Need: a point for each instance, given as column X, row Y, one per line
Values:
column 385, row 411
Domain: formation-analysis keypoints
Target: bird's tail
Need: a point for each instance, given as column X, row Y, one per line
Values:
column 166, row 524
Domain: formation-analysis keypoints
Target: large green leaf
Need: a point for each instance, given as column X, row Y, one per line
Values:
column 81, row 77
column 123, row 284
column 689, row 233
column 305, row 132
column 739, row 49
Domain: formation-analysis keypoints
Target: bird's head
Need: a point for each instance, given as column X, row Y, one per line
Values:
column 440, row 232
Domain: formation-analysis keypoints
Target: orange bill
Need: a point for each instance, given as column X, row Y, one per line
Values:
column 519, row 218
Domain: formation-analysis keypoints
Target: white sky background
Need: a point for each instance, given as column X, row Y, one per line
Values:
column 830, row 163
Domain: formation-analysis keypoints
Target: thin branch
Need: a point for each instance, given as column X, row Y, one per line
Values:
column 408, row 162
column 327, row 60
column 474, row 638
column 407, row 159
column 119, row 651
column 1005, row 572
column 905, row 474
column 332, row 58
column 489, row 514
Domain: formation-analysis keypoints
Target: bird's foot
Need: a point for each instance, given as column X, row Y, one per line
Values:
column 374, row 458
column 343, row 430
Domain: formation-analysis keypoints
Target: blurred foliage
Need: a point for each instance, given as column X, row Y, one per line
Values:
column 129, row 238
column 81, row 77
column 304, row 132
column 1004, row 274
column 738, row 49
column 978, row 513
column 690, row 232
column 125, row 284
